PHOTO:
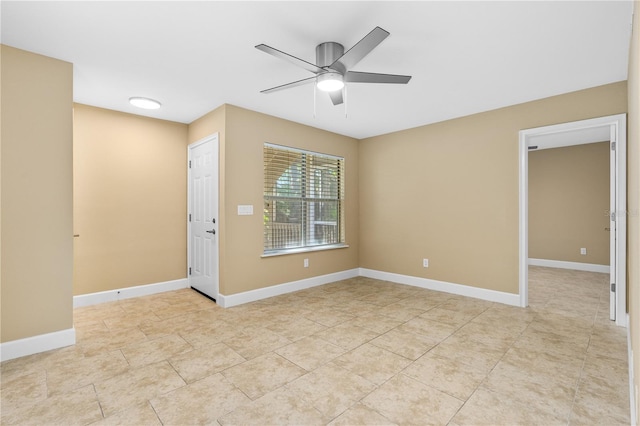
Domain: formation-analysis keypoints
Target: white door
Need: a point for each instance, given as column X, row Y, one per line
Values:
column 203, row 216
column 613, row 246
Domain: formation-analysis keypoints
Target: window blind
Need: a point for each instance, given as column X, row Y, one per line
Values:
column 303, row 199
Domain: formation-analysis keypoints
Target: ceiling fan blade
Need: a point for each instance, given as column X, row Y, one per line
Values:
column 296, row 61
column 370, row 77
column 290, row 85
column 336, row 97
column 362, row 48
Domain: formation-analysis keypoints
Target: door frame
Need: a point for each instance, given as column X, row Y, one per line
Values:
column 576, row 133
column 215, row 138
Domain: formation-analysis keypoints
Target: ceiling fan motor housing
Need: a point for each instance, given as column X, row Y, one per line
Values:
column 327, row 53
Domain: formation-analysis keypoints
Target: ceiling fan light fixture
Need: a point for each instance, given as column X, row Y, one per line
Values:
column 144, row 103
column 330, row 82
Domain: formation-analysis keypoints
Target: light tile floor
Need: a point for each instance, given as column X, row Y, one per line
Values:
column 359, row 351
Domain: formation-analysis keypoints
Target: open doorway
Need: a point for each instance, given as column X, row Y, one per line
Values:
column 612, row 129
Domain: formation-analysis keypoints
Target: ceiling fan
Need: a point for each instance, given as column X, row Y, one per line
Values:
column 333, row 65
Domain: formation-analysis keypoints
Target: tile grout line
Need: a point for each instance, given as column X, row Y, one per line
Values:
column 492, row 368
column 95, row 391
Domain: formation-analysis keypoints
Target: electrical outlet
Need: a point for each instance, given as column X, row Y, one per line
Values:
column 306, row 263
column 583, row 251
column 425, row 263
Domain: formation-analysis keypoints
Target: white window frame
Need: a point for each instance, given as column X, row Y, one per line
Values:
column 307, row 200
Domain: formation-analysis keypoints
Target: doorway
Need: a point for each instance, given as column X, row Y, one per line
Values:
column 612, row 129
column 202, row 216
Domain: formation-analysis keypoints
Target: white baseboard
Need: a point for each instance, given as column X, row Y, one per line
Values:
column 128, row 292
column 227, row 301
column 45, row 342
column 633, row 390
column 578, row 266
column 460, row 289
column 36, row 344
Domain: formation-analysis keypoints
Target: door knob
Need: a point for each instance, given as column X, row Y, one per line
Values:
column 213, row 231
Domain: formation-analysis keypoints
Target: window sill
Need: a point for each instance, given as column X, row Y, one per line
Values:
column 304, row 250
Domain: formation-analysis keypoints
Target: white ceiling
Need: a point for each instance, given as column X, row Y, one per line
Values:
column 465, row 57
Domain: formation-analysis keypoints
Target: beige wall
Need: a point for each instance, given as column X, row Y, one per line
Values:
column 241, row 237
column 633, row 158
column 449, row 191
column 568, row 203
column 130, row 180
column 212, row 122
column 36, row 194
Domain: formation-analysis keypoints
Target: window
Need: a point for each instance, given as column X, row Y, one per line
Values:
column 303, row 199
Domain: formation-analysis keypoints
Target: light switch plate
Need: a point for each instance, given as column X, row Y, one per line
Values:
column 245, row 210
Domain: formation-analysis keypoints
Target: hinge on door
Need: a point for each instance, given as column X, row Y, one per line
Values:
column 613, row 287
column 613, row 146
column 189, row 163
column 189, row 217
column 613, row 216
column 189, row 270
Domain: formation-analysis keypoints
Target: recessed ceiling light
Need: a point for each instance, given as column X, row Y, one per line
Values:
column 145, row 103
